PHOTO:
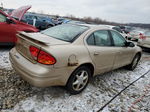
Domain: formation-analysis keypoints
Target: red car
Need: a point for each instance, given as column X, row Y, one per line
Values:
column 11, row 24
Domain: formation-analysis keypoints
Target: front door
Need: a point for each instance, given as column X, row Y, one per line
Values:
column 7, row 31
column 124, row 54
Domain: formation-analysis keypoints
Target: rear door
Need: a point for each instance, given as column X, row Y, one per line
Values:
column 7, row 31
column 101, row 51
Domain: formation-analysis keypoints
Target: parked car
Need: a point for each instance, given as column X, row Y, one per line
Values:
column 135, row 35
column 61, row 20
column 75, row 22
column 39, row 21
column 11, row 24
column 70, row 54
column 65, row 21
column 144, row 40
column 126, row 29
column 117, row 28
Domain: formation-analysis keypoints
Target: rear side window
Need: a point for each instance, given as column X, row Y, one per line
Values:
column 91, row 40
column 118, row 39
column 2, row 18
column 99, row 38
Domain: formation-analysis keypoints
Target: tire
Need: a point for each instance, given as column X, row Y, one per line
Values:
column 134, row 63
column 40, row 28
column 78, row 80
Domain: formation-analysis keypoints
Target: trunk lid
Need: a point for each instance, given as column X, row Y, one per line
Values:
column 25, row 40
column 19, row 13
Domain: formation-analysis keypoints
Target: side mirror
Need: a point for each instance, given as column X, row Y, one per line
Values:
column 129, row 44
column 9, row 21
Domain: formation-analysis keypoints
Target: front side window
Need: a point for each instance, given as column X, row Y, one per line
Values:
column 99, row 38
column 118, row 39
column 2, row 18
column 65, row 32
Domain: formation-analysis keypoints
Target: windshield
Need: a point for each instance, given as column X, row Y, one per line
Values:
column 65, row 32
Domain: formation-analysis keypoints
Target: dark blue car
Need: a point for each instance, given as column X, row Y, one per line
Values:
column 39, row 21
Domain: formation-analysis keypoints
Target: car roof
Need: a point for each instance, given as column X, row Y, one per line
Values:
column 92, row 26
column 109, row 26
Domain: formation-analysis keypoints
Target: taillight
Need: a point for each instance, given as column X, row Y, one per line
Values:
column 42, row 56
column 142, row 36
column 46, row 58
column 34, row 52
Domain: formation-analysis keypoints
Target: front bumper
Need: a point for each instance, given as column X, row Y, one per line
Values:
column 37, row 74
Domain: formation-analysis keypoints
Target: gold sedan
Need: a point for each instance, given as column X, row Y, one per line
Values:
column 70, row 54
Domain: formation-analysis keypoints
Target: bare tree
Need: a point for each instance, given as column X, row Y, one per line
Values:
column 1, row 6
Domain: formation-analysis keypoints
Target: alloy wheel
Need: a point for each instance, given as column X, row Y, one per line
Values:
column 80, row 80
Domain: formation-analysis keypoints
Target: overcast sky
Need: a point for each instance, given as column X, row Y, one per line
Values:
column 126, row 11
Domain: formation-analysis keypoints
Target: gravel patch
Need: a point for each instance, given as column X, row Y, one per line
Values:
column 134, row 99
column 4, row 58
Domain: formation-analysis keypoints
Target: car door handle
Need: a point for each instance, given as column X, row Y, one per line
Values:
column 96, row 53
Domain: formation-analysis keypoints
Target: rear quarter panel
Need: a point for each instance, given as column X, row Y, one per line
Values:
column 69, row 53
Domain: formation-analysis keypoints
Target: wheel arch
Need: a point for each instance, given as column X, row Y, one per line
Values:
column 69, row 84
column 139, row 53
column 90, row 66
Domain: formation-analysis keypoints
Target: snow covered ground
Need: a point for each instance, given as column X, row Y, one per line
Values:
column 17, row 95
column 4, row 58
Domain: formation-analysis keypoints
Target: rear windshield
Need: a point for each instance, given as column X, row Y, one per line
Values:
column 65, row 32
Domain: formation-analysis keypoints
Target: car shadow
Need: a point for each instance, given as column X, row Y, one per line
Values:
column 146, row 50
column 6, row 47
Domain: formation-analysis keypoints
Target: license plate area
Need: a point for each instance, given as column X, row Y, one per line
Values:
column 22, row 47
